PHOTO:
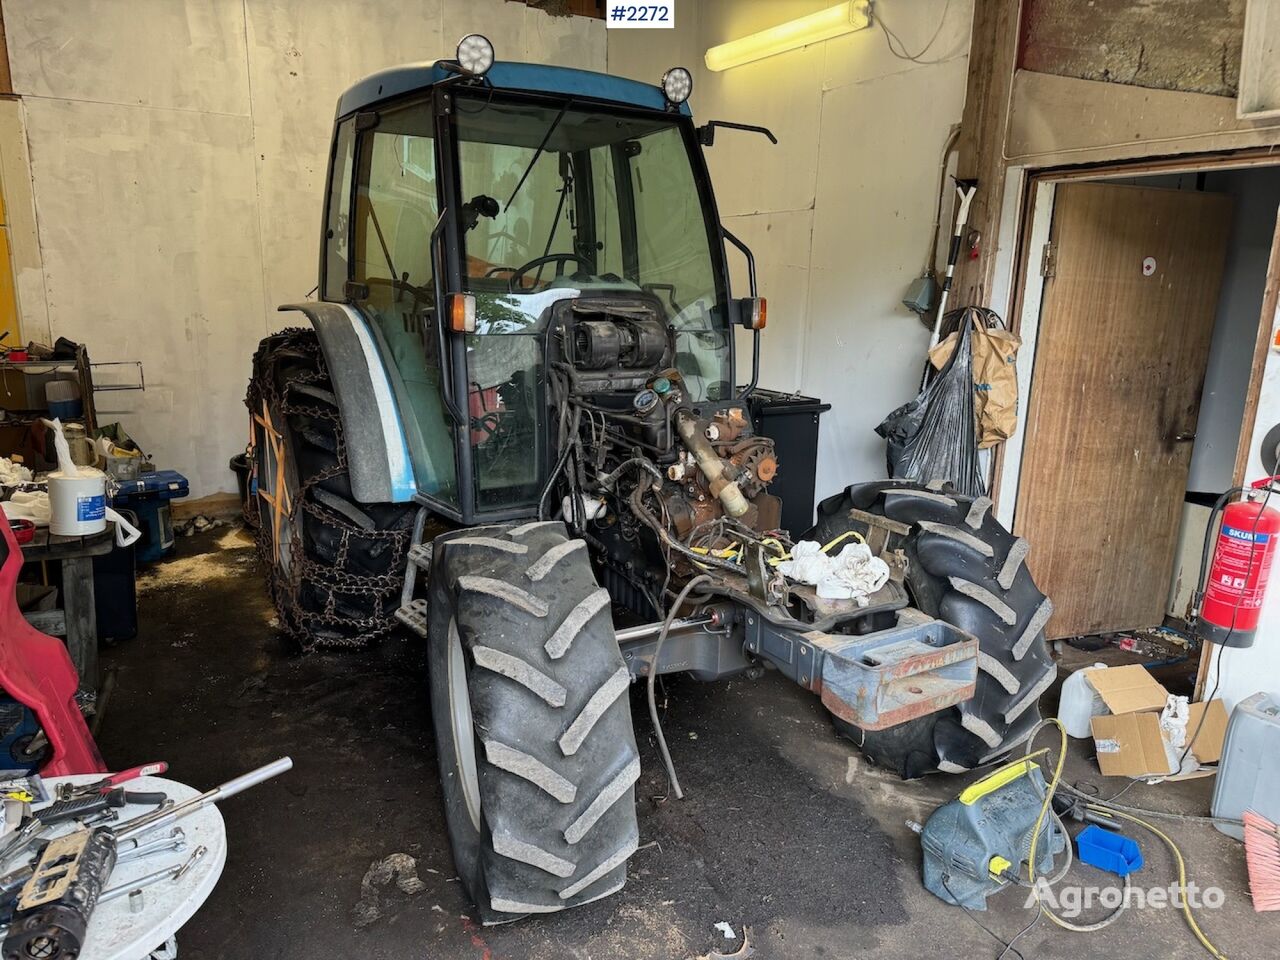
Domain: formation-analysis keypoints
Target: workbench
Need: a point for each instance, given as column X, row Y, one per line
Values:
column 77, row 620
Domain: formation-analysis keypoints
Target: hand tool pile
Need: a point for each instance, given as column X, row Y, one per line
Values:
column 50, row 886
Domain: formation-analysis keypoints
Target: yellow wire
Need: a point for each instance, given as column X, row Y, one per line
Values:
column 844, row 536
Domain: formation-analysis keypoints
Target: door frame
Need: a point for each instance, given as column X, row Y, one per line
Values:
column 1018, row 289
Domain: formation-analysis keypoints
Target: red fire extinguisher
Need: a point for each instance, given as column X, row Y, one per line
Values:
column 1237, row 580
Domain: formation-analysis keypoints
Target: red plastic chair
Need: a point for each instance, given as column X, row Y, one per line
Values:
column 36, row 670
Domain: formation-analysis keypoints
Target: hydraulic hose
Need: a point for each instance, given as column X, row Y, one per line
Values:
column 652, row 681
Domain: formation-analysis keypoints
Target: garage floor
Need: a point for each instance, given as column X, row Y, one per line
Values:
column 783, row 831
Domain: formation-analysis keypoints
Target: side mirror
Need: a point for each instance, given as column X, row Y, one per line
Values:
column 752, row 312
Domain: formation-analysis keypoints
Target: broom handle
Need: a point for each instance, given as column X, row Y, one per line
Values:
column 965, row 189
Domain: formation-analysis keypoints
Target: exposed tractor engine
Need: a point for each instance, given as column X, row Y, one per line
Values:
column 661, row 487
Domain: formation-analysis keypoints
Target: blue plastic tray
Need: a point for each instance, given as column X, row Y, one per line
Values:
column 1108, row 851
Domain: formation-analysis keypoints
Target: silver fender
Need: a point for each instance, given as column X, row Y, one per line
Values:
column 378, row 459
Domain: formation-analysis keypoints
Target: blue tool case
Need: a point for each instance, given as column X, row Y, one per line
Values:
column 149, row 497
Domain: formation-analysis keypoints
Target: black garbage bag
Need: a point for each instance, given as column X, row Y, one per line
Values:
column 934, row 437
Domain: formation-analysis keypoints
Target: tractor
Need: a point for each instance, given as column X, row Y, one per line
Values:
column 512, row 424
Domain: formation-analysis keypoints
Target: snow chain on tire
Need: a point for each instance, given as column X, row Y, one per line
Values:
column 965, row 568
column 346, row 559
column 554, row 751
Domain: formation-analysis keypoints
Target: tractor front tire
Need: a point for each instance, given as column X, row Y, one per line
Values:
column 538, row 759
column 965, row 568
column 335, row 566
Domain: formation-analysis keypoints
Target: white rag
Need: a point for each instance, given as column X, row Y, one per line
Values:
column 13, row 473
column 852, row 574
column 30, row 505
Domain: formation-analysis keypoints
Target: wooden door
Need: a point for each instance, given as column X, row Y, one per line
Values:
column 1128, row 312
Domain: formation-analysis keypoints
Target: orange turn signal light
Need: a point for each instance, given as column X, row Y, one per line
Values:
column 461, row 312
column 753, row 312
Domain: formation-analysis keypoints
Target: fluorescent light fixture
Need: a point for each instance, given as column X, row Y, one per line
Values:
column 824, row 25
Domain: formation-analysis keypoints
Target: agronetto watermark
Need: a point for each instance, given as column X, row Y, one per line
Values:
column 1071, row 902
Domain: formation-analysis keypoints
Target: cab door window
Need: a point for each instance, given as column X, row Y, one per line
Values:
column 396, row 209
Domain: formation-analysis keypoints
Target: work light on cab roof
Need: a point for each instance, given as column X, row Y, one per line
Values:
column 475, row 54
column 677, row 85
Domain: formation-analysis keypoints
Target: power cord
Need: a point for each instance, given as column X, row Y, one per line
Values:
column 890, row 38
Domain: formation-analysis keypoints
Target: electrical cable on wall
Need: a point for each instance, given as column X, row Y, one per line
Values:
column 890, row 38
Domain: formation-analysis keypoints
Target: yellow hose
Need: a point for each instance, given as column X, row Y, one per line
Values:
column 1035, row 838
column 1182, row 876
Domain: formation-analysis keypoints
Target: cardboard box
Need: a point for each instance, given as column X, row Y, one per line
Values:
column 1130, row 745
column 1129, row 741
column 1128, row 689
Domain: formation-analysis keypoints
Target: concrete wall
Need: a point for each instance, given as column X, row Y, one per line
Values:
column 1168, row 44
column 177, row 157
column 840, row 212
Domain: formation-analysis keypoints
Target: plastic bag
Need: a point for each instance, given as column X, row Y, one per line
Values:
column 934, row 437
column 995, row 375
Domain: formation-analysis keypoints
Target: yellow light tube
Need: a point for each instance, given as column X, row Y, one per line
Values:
column 824, row 25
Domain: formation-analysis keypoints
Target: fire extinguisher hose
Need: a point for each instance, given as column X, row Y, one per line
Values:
column 1218, row 506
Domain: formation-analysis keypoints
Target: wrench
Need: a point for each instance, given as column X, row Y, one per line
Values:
column 174, row 872
column 177, row 840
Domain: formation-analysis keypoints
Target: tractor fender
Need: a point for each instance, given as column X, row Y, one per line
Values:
column 378, row 459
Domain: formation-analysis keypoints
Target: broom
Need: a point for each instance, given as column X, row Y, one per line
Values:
column 1262, row 852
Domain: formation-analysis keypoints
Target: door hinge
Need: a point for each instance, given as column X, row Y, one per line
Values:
column 1048, row 260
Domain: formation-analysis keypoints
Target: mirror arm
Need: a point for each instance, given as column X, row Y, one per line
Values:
column 446, row 381
column 755, row 335
column 707, row 132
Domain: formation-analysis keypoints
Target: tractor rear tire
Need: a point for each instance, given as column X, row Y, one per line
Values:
column 538, row 758
column 335, row 566
column 965, row 568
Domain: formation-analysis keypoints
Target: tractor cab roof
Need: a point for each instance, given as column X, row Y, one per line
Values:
column 580, row 84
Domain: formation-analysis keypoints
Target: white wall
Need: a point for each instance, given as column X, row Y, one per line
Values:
column 1226, row 382
column 839, row 213
column 1257, row 668
column 178, row 152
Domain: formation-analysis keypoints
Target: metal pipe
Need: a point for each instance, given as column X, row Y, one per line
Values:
column 645, row 631
column 163, row 817
column 709, row 462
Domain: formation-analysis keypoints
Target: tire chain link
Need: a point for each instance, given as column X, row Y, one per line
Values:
column 335, row 582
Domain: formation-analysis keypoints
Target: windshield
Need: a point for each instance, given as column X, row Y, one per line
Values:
column 560, row 200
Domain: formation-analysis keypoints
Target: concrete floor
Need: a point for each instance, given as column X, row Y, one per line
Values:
column 784, row 831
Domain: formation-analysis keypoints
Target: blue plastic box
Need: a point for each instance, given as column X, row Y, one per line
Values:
column 1108, row 851
column 149, row 497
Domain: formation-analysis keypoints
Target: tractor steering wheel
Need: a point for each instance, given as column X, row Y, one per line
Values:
column 559, row 259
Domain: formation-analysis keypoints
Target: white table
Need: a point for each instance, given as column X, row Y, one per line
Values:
column 116, row 933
